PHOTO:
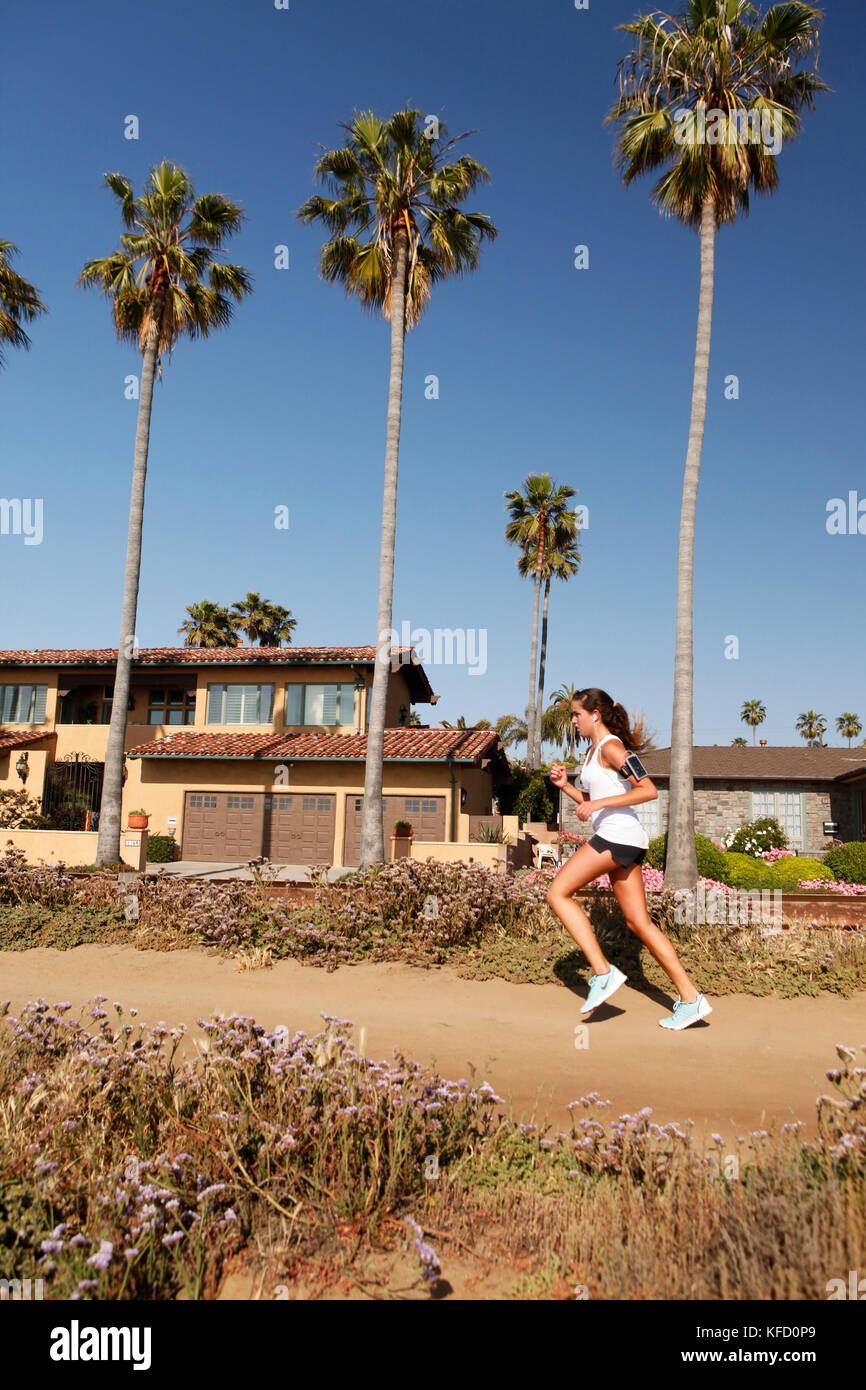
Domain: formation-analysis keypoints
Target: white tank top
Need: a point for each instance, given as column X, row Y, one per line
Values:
column 619, row 824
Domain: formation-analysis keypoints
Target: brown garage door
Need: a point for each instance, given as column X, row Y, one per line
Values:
column 426, row 815
column 299, row 829
column 223, row 825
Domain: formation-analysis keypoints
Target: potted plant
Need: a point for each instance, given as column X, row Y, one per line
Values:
column 137, row 820
column 402, row 827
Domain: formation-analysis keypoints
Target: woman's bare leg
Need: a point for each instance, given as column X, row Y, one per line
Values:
column 628, row 887
column 584, row 865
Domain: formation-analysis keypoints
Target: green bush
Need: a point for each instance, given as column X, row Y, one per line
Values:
column 758, row 835
column 744, row 871
column 788, row 871
column 161, row 849
column 712, row 862
column 533, row 803
column 848, row 861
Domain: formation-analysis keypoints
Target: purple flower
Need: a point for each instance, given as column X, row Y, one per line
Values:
column 102, row 1258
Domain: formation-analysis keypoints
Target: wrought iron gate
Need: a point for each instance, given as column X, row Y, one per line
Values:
column 73, row 792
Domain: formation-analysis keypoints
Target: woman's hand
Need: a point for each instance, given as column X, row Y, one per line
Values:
column 558, row 775
column 585, row 810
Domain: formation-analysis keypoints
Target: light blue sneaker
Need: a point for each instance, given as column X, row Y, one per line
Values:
column 684, row 1014
column 601, row 987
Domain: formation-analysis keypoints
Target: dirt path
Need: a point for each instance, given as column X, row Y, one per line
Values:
column 754, row 1060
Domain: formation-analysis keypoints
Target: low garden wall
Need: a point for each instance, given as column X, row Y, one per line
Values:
column 60, row 846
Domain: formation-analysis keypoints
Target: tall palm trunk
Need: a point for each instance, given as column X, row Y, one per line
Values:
column 531, row 713
column 108, row 843
column 541, row 664
column 372, row 839
column 681, row 868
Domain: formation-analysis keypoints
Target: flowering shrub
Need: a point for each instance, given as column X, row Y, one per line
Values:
column 842, row 1121
column 127, row 1175
column 770, row 856
column 756, row 836
column 821, row 885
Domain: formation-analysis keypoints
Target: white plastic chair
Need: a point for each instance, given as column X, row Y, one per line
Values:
column 544, row 852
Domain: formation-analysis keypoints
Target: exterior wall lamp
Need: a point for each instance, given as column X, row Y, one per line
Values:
column 22, row 767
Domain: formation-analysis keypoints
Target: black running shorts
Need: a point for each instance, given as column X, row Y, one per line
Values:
column 623, row 854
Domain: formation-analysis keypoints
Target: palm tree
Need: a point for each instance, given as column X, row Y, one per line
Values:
column 251, row 616
column 511, row 729
column 560, row 706
column 811, row 726
column 279, row 628
column 561, row 560
column 19, row 302
column 396, row 230
column 461, row 724
column 753, row 713
column 849, row 726
column 718, row 58
column 739, row 743
column 644, row 737
column 164, row 283
column 208, row 625
column 534, row 512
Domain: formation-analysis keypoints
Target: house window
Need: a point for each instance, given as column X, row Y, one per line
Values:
column 202, row 802
column 240, row 803
column 240, row 704
column 649, row 813
column 22, row 704
column 428, row 805
column 320, row 704
column 412, row 805
column 787, row 807
column 170, row 706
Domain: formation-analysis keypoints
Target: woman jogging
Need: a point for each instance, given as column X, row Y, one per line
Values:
column 617, row 848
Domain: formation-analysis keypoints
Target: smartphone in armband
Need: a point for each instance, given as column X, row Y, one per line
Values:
column 633, row 767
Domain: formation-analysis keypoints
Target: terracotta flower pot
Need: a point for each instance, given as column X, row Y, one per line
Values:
column 137, row 822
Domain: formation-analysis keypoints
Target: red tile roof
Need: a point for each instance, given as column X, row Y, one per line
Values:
column 779, row 764
column 197, row 656
column 405, row 657
column 403, row 744
column 9, row 739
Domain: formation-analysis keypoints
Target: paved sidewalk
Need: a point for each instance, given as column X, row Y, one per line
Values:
column 193, row 868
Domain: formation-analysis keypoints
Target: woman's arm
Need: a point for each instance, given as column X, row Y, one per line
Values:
column 643, row 790
column 575, row 793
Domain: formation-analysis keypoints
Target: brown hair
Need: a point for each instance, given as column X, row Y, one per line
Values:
column 612, row 714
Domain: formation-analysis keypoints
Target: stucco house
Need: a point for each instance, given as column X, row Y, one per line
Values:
column 240, row 751
column 804, row 788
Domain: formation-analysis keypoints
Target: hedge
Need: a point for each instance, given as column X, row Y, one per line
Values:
column 848, row 861
column 712, row 861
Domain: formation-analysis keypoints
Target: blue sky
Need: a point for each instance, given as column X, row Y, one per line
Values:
column 584, row 374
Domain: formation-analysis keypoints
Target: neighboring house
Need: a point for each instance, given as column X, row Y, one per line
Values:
column 801, row 787
column 241, row 751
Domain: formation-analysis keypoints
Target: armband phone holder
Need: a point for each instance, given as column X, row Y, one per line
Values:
column 633, row 767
